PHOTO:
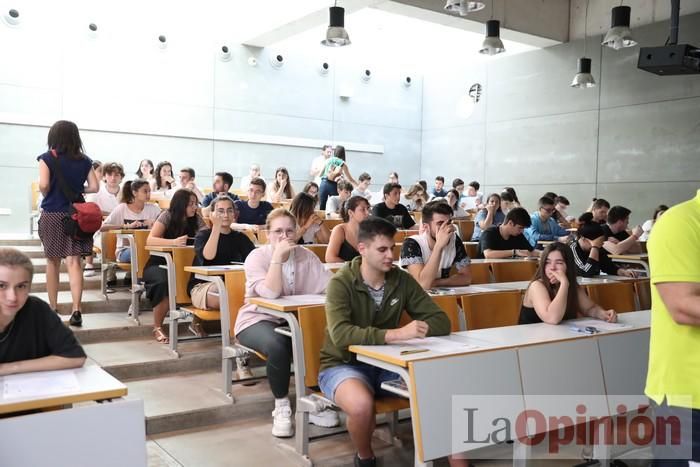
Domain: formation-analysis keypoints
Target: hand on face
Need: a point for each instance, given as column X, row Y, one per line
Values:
column 444, row 235
column 282, row 249
column 598, row 241
column 637, row 231
column 557, row 275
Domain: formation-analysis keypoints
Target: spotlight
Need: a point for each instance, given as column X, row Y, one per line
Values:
column 407, row 81
column 276, row 61
column 11, row 17
column 366, row 75
column 323, row 68
column 162, row 41
column 92, row 31
column 225, row 53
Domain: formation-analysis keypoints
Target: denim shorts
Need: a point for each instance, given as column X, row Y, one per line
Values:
column 124, row 256
column 330, row 378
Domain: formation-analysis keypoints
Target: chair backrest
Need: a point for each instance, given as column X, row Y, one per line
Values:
column 182, row 257
column 235, row 289
column 448, row 304
column 466, row 229
column 397, row 251
column 401, row 235
column 312, row 320
column 318, row 249
column 108, row 244
column 142, row 254
column 619, row 296
column 35, row 196
column 472, row 249
column 330, row 223
column 492, row 310
column 481, row 273
column 261, row 236
column 643, row 290
column 163, row 203
column 511, row 271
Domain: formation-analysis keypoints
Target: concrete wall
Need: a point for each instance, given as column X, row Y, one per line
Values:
column 133, row 100
column 634, row 139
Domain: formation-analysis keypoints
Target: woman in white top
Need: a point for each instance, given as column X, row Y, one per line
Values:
column 452, row 199
column 133, row 212
column 649, row 223
column 163, row 180
column 145, row 170
column 311, row 227
column 281, row 189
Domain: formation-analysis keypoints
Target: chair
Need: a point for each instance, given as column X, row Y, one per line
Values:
column 449, row 305
column 318, row 249
column 330, row 223
column 312, row 321
column 481, row 273
column 643, row 291
column 472, row 249
column 466, row 229
column 512, row 271
column 618, row 296
column 492, row 310
column 397, row 251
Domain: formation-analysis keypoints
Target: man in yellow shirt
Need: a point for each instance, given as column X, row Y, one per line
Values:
column 673, row 378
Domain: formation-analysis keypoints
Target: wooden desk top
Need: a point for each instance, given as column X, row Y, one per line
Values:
column 93, row 384
column 168, row 249
column 289, row 302
column 505, row 260
column 633, row 256
column 218, row 270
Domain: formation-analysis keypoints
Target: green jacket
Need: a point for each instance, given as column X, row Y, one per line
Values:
column 351, row 319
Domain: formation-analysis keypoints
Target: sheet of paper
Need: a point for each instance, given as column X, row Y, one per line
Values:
column 309, row 299
column 435, row 344
column 598, row 324
column 45, row 383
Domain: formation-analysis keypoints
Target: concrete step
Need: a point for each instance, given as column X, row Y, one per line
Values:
column 145, row 358
column 23, row 241
column 40, row 266
column 89, row 283
column 94, row 302
column 33, row 251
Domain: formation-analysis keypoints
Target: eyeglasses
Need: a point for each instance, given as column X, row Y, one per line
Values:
column 287, row 232
column 548, row 210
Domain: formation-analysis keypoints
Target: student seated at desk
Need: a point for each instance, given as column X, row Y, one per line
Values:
column 335, row 202
column 554, row 295
column 253, row 213
column 280, row 268
column 364, row 305
column 507, row 240
column 342, row 245
column 133, row 212
column 430, row 255
column 649, row 223
column 32, row 336
column 391, row 210
column 543, row 227
column 311, row 227
column 220, row 187
column 216, row 246
column 617, row 240
column 491, row 214
column 589, row 256
column 174, row 227
column 107, row 196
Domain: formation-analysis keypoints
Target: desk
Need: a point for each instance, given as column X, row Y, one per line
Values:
column 112, row 432
column 522, row 285
column 176, row 259
column 509, row 363
column 638, row 258
column 231, row 293
column 285, row 308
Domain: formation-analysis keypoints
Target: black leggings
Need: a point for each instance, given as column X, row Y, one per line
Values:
column 262, row 337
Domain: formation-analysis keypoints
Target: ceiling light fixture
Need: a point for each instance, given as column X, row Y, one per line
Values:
column 11, row 17
column 583, row 78
column 336, row 35
column 225, row 53
column 463, row 7
column 619, row 35
column 492, row 44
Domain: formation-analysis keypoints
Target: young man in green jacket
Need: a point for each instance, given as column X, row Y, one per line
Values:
column 364, row 303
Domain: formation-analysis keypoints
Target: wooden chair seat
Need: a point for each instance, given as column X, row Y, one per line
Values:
column 124, row 266
column 205, row 315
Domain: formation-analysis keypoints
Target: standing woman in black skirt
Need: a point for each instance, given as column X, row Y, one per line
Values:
column 76, row 167
column 177, row 226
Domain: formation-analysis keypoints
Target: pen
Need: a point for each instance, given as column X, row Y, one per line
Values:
column 412, row 351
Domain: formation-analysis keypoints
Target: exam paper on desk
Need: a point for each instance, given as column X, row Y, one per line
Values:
column 44, row 383
column 599, row 324
column 435, row 344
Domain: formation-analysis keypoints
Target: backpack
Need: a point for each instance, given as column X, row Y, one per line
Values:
column 83, row 219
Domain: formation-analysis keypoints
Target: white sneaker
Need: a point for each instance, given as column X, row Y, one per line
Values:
column 282, row 422
column 90, row 273
column 326, row 418
column 242, row 368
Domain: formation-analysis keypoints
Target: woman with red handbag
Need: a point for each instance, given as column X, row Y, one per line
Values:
column 64, row 169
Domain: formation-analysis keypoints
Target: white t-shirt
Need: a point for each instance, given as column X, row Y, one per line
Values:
column 121, row 214
column 333, row 205
column 365, row 194
column 104, row 199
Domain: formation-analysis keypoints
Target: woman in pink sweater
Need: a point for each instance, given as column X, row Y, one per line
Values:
column 280, row 268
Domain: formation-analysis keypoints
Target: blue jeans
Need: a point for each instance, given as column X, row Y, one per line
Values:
column 327, row 189
column 373, row 377
column 124, row 256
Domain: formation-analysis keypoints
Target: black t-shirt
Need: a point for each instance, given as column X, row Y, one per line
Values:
column 411, row 253
column 253, row 216
column 398, row 216
column 491, row 239
column 37, row 332
column 620, row 236
column 232, row 247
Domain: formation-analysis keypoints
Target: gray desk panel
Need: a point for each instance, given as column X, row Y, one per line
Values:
column 481, row 375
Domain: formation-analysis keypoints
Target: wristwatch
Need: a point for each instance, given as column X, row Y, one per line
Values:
column 515, row 254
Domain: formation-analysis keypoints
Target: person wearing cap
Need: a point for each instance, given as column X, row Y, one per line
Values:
column 589, row 256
